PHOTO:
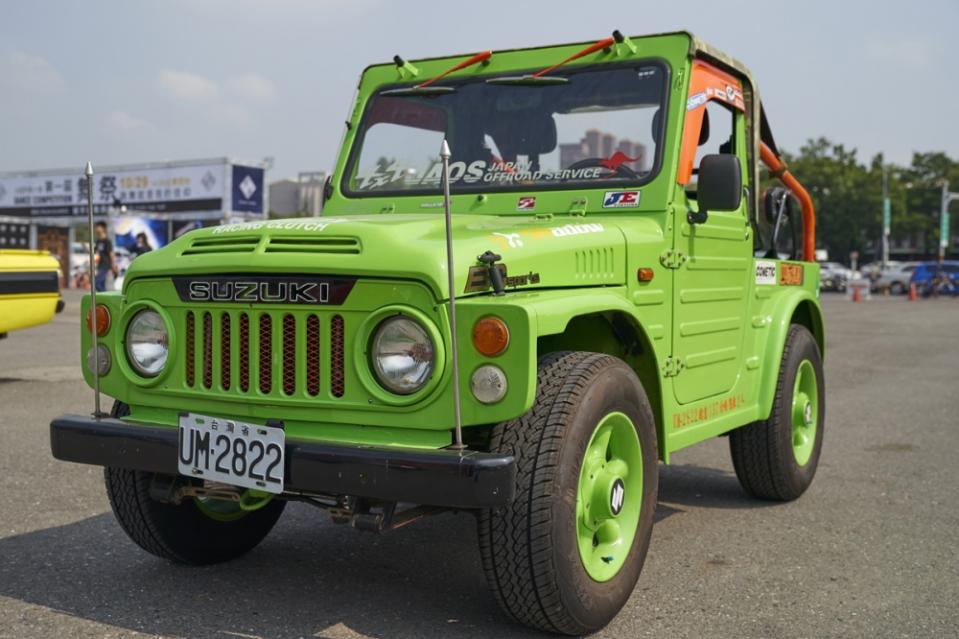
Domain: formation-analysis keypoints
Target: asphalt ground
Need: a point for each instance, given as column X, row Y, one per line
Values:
column 871, row 550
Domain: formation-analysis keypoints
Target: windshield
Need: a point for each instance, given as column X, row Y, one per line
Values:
column 602, row 127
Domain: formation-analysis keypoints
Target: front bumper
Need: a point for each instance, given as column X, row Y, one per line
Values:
column 454, row 479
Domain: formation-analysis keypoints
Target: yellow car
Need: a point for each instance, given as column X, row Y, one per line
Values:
column 29, row 289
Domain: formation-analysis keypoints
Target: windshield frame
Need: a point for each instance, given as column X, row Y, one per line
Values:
column 571, row 185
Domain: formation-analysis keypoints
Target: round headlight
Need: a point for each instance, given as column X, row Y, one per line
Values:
column 402, row 355
column 148, row 343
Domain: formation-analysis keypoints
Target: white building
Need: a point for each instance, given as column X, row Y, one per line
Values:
column 300, row 197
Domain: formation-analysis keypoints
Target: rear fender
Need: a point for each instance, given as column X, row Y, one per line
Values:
column 795, row 307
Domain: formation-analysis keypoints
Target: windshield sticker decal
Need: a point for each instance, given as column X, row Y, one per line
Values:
column 391, row 175
column 620, row 199
column 618, row 159
column 765, row 272
column 526, row 204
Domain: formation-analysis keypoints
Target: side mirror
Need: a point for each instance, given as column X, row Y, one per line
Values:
column 720, row 186
column 327, row 191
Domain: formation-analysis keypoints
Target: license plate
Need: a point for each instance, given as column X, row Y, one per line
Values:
column 232, row 452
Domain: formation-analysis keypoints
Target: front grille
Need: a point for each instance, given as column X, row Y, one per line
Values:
column 336, row 355
column 313, row 355
column 244, row 348
column 279, row 354
column 207, row 350
column 190, row 349
column 266, row 354
column 289, row 354
column 225, row 338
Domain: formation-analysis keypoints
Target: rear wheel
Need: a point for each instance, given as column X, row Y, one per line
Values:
column 777, row 458
column 565, row 555
column 897, row 288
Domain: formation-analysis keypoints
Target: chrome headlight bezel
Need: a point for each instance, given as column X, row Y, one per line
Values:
column 162, row 339
column 423, row 351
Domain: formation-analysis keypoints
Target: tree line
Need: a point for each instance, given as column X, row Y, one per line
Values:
column 848, row 197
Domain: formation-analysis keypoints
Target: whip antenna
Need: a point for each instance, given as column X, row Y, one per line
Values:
column 91, row 270
column 457, row 420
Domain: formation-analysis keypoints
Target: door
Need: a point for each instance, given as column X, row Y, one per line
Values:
column 712, row 280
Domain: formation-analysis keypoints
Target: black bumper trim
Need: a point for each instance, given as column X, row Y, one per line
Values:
column 467, row 479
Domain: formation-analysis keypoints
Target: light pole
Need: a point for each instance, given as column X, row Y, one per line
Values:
column 947, row 197
column 886, row 215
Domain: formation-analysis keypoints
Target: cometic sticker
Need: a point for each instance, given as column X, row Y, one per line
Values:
column 765, row 272
column 620, row 199
column 526, row 204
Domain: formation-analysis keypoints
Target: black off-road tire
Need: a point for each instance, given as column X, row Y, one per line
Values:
column 529, row 548
column 762, row 451
column 182, row 533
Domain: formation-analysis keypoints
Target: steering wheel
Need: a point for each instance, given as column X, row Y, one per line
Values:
column 622, row 170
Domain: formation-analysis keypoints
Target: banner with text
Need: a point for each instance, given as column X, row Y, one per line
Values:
column 160, row 189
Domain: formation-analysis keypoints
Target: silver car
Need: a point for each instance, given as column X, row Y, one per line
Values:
column 833, row 276
column 894, row 278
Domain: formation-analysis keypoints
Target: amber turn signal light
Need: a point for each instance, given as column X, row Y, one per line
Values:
column 645, row 274
column 490, row 336
column 103, row 320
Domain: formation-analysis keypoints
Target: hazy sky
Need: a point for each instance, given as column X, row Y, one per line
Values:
column 137, row 81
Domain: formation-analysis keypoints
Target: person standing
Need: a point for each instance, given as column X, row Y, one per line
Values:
column 106, row 260
column 142, row 246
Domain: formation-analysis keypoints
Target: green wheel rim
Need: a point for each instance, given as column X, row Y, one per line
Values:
column 609, row 496
column 805, row 412
column 219, row 509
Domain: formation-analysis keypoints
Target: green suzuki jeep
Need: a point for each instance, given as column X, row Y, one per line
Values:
column 619, row 291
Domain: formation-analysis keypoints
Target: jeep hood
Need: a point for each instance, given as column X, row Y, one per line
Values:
column 562, row 251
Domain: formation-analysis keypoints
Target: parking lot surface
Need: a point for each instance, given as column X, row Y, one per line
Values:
column 871, row 550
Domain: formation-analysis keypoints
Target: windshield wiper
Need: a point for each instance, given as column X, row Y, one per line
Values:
column 425, row 88
column 419, row 90
column 529, row 80
column 540, row 78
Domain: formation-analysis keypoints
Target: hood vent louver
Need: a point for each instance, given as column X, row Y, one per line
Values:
column 206, row 245
column 296, row 244
column 595, row 264
column 339, row 245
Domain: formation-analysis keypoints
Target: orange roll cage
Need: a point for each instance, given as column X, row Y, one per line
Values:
column 707, row 82
column 777, row 168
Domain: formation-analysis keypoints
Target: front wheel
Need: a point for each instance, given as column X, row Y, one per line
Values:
column 565, row 555
column 196, row 531
column 777, row 458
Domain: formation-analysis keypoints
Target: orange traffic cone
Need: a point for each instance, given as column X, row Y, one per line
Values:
column 856, row 294
column 913, row 293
